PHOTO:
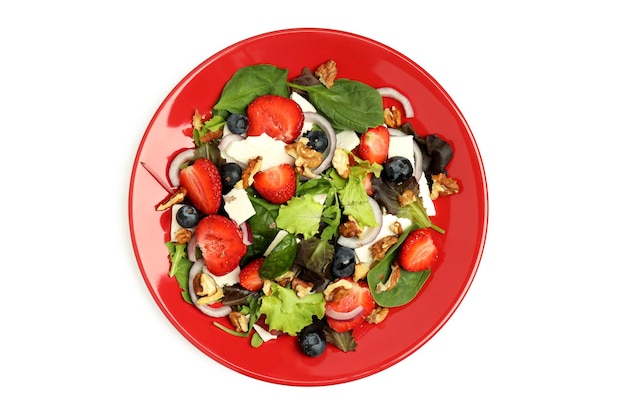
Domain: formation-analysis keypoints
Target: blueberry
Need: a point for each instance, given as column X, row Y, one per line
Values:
column 317, row 140
column 311, row 339
column 187, row 216
column 397, row 169
column 237, row 123
column 343, row 262
column 230, row 173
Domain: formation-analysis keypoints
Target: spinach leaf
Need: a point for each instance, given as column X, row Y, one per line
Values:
column 262, row 225
column 280, row 258
column 407, row 287
column 251, row 82
column 348, row 104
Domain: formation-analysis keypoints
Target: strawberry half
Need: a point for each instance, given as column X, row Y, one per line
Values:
column 277, row 184
column 279, row 117
column 358, row 295
column 249, row 277
column 374, row 145
column 418, row 252
column 203, row 184
column 221, row 242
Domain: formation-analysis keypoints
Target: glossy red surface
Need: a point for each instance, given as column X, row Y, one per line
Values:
column 463, row 216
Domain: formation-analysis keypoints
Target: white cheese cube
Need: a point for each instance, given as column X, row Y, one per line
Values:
column 424, row 194
column 231, row 278
column 347, row 139
column 174, row 226
column 402, row 146
column 238, row 205
column 271, row 150
column 306, row 107
column 279, row 236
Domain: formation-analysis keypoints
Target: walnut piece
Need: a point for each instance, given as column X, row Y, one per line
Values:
column 360, row 271
column 350, row 228
column 396, row 227
column 183, row 235
column 337, row 290
column 341, row 163
column 406, row 198
column 377, row 315
column 301, row 287
column 443, row 186
column 248, row 173
column 176, row 197
column 306, row 158
column 380, row 248
column 206, row 289
column 239, row 321
column 393, row 117
column 327, row 72
column 393, row 279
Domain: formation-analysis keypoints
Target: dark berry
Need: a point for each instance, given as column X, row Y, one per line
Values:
column 230, row 173
column 317, row 140
column 343, row 262
column 237, row 123
column 397, row 169
column 311, row 339
column 187, row 216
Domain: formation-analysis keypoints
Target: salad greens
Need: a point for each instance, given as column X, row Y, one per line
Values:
column 312, row 217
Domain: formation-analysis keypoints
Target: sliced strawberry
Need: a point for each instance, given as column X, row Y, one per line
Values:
column 277, row 184
column 249, row 277
column 221, row 242
column 279, row 117
column 418, row 252
column 358, row 295
column 374, row 145
column 203, row 184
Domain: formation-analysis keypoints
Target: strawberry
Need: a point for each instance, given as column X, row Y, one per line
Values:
column 358, row 295
column 418, row 252
column 249, row 277
column 279, row 117
column 203, row 184
column 374, row 145
column 221, row 242
column 277, row 184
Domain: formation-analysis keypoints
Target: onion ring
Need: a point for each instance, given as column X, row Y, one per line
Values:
column 191, row 248
column 396, row 95
column 325, row 125
column 209, row 311
column 348, row 315
column 173, row 173
column 369, row 233
column 227, row 140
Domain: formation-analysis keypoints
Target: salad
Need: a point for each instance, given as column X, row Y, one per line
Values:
column 303, row 207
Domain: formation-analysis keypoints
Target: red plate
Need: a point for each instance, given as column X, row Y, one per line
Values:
column 463, row 216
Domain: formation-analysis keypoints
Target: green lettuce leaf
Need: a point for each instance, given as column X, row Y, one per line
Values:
column 301, row 215
column 355, row 203
column 286, row 312
column 180, row 267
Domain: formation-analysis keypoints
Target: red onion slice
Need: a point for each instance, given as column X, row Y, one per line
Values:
column 173, row 173
column 348, row 315
column 396, row 95
column 209, row 311
column 369, row 233
column 325, row 125
column 191, row 248
column 227, row 140
column 419, row 161
column 247, row 233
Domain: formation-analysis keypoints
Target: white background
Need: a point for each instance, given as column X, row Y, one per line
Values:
column 541, row 331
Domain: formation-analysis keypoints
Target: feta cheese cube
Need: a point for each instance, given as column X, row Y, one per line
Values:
column 271, row 150
column 347, row 139
column 424, row 194
column 238, row 205
column 402, row 146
